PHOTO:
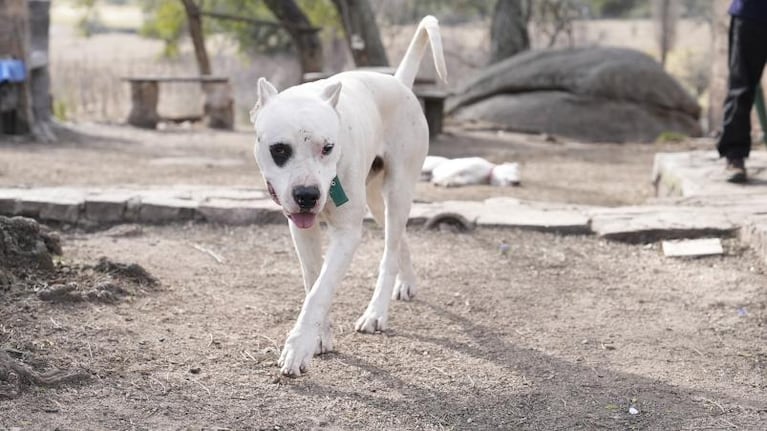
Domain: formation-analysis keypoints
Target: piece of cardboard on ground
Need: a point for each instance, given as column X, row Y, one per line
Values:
column 692, row 247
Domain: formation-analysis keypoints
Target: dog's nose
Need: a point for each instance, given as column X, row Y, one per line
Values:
column 306, row 197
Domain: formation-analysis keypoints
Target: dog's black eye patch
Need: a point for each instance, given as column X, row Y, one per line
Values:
column 280, row 153
column 327, row 148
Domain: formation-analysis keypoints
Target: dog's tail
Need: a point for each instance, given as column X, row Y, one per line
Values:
column 427, row 32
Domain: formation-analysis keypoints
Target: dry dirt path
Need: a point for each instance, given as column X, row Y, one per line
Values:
column 563, row 332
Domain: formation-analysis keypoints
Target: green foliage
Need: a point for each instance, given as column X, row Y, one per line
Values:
column 86, row 22
column 60, row 110
column 669, row 137
column 448, row 11
column 166, row 21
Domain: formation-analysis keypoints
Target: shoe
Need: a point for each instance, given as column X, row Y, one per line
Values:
column 736, row 170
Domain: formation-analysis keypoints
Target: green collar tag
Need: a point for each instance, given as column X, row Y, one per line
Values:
column 337, row 192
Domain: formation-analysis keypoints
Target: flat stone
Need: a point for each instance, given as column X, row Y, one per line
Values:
column 538, row 216
column 196, row 161
column 162, row 209
column 641, row 224
column 701, row 173
column 108, row 207
column 420, row 213
column 754, row 233
column 234, row 194
column 237, row 212
column 10, row 201
column 55, row 204
column 692, row 247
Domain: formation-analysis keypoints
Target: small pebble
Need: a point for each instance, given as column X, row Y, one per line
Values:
column 633, row 411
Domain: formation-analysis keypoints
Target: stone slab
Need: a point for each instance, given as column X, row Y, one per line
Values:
column 237, row 212
column 9, row 201
column 642, row 224
column 692, row 247
column 531, row 215
column 700, row 173
column 57, row 204
column 754, row 233
column 163, row 209
column 108, row 206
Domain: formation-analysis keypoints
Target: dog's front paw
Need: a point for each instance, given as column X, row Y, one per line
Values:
column 300, row 347
column 403, row 290
column 297, row 354
column 371, row 322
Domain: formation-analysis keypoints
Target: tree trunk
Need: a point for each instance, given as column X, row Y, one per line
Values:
column 198, row 39
column 717, row 88
column 666, row 13
column 306, row 39
column 508, row 30
column 362, row 33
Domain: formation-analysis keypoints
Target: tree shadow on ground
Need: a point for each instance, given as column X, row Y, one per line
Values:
column 559, row 394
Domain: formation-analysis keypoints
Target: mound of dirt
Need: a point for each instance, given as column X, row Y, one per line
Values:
column 26, row 248
column 27, row 265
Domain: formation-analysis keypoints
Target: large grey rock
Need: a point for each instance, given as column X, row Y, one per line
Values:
column 598, row 94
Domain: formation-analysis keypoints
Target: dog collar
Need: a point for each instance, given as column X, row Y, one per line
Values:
column 337, row 193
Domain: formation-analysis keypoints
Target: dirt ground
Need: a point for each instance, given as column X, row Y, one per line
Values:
column 560, row 332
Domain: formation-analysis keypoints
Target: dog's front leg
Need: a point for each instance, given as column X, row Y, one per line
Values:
column 308, row 243
column 305, row 336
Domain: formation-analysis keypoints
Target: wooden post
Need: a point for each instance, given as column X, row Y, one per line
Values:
column 219, row 105
column 144, row 97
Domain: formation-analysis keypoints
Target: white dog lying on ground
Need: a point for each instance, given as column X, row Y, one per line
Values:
column 446, row 172
column 327, row 149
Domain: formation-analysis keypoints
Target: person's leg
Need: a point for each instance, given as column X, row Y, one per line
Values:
column 747, row 56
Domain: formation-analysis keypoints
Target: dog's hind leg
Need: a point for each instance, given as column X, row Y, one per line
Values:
column 308, row 243
column 375, row 198
column 405, row 286
column 397, row 208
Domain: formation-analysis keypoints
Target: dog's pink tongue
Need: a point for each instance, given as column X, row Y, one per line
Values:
column 303, row 220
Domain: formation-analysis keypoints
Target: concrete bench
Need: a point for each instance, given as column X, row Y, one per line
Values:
column 218, row 107
column 431, row 97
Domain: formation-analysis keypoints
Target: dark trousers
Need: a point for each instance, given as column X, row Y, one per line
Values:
column 747, row 56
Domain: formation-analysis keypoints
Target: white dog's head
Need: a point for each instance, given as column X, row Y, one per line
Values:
column 505, row 174
column 296, row 136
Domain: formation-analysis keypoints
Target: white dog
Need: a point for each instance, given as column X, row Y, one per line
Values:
column 468, row 171
column 328, row 148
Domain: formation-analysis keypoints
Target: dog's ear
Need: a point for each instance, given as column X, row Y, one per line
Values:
column 265, row 92
column 331, row 93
